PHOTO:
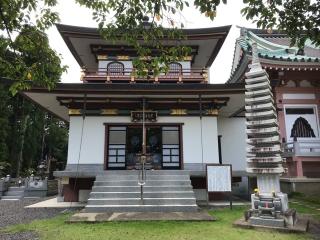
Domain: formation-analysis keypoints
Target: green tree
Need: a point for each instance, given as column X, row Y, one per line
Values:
column 25, row 53
column 124, row 21
column 300, row 19
column 4, row 129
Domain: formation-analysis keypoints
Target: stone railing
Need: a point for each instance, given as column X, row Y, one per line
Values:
column 302, row 148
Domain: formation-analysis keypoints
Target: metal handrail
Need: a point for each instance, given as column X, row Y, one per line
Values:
column 142, row 177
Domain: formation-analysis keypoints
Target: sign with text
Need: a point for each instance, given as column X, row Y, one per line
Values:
column 219, row 178
column 149, row 116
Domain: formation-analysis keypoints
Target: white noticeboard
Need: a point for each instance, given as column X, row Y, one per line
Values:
column 219, row 178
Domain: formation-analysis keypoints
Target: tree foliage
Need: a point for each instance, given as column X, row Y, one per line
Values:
column 28, row 135
column 29, row 57
column 124, row 21
column 300, row 19
column 25, row 53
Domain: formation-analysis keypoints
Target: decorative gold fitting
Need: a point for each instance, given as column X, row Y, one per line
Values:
column 178, row 111
column 83, row 73
column 122, row 57
column 74, row 112
column 205, row 74
column 109, row 111
column 102, row 57
column 212, row 112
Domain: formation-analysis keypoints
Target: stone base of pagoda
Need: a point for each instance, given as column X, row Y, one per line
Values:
column 270, row 222
column 283, row 198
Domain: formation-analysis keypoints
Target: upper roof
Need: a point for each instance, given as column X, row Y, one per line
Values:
column 82, row 40
column 274, row 51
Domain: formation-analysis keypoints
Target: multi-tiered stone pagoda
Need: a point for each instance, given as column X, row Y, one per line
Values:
column 264, row 150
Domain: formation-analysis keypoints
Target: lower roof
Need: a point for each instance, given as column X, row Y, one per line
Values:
column 49, row 99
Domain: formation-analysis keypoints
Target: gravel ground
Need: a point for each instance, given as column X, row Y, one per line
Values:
column 13, row 212
column 19, row 236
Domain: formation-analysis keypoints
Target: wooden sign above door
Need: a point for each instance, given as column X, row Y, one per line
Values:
column 150, row 116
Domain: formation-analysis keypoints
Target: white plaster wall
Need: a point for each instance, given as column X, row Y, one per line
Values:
column 233, row 142
column 92, row 151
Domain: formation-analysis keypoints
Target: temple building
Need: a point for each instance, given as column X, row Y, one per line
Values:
column 189, row 121
column 294, row 76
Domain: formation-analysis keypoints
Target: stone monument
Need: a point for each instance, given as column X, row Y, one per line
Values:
column 269, row 205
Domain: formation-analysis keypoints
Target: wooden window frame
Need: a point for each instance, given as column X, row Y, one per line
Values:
column 174, row 71
column 110, row 73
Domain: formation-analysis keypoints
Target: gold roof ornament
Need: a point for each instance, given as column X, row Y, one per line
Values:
column 178, row 111
column 122, row 57
column 102, row 57
column 74, row 111
column 110, row 111
column 212, row 112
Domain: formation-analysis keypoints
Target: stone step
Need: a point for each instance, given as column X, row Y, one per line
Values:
column 148, row 183
column 137, row 188
column 14, row 193
column 16, row 188
column 137, row 201
column 11, row 197
column 154, row 194
column 136, row 176
column 164, row 191
column 149, row 172
column 141, row 208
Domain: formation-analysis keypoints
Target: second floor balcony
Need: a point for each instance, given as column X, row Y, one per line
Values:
column 130, row 75
column 302, row 148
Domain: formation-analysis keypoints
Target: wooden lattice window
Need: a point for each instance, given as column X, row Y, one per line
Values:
column 301, row 128
column 115, row 69
column 175, row 68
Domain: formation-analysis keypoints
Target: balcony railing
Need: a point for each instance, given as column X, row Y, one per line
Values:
column 129, row 75
column 302, row 148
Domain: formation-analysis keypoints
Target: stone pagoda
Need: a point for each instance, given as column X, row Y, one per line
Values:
column 264, row 159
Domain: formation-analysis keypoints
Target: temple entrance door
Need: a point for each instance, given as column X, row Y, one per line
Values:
column 154, row 146
column 134, row 145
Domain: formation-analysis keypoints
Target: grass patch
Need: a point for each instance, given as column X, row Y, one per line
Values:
column 222, row 229
column 306, row 207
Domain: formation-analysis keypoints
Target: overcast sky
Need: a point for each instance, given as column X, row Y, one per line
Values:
column 72, row 14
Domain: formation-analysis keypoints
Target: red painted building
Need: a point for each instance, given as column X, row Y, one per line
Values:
column 295, row 79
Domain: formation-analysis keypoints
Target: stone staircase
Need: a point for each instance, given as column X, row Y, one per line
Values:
column 14, row 193
column 164, row 191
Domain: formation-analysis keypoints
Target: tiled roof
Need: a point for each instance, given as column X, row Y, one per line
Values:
column 278, row 48
column 274, row 50
column 309, row 49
